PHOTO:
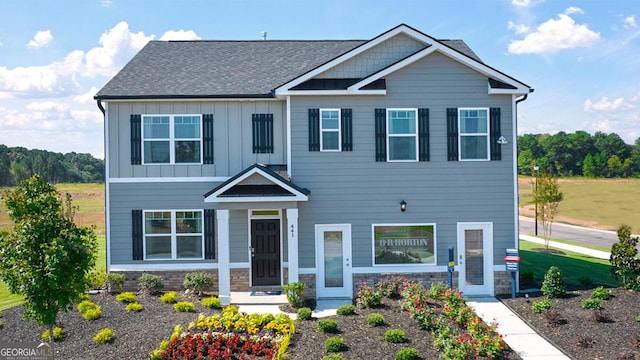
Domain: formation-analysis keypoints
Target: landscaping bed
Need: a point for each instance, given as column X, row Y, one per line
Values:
column 576, row 331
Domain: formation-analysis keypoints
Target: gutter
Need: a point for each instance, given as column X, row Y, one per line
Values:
column 99, row 101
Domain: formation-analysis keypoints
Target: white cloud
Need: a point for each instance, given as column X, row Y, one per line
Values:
column 106, row 3
column 518, row 28
column 41, row 39
column 630, row 21
column 86, row 98
column 555, row 35
column 525, row 3
column 180, row 35
column 118, row 46
column 573, row 10
column 606, row 105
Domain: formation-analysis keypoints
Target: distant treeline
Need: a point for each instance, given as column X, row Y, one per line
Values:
column 18, row 164
column 579, row 154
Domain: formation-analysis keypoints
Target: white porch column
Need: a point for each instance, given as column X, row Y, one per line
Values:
column 292, row 242
column 224, row 275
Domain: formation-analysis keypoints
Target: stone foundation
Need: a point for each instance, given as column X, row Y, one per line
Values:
column 309, row 285
column 502, row 282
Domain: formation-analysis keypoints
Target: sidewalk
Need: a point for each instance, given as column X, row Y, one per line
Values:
column 578, row 249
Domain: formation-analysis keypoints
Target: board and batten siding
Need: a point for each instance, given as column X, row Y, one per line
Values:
column 232, row 121
column 351, row 187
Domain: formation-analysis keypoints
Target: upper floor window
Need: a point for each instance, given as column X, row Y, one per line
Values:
column 474, row 133
column 173, row 235
column 172, row 139
column 402, row 134
column 330, row 130
column 262, row 133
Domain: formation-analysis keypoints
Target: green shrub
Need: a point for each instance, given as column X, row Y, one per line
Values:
column 83, row 296
column 390, row 286
column 92, row 314
column 96, row 279
column 591, row 304
column 333, row 357
column 294, row 293
column 58, row 334
column 553, row 285
column 170, row 297
column 212, row 302
column 335, row 344
column 127, row 297
column 395, row 336
column 198, row 282
column 601, row 293
column 328, row 326
column 86, row 305
column 407, row 354
column 184, row 306
column 346, row 310
column 304, row 313
column 134, row 306
column 375, row 319
column 104, row 336
column 115, row 281
column 150, row 283
column 541, row 305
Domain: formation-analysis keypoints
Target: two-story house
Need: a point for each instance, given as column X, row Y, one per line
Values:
column 328, row 162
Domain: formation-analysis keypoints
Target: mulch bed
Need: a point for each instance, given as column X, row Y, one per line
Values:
column 577, row 332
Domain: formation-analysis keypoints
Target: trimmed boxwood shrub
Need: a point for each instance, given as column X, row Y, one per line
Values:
column 198, row 282
column 328, row 326
column 134, row 306
column 304, row 313
column 375, row 319
column 407, row 354
column 85, row 305
column 346, row 310
column 541, row 305
column 211, row 302
column 93, row 314
column 127, row 297
column 395, row 336
column 333, row 357
column 335, row 344
column 170, row 297
column 591, row 304
column 152, row 284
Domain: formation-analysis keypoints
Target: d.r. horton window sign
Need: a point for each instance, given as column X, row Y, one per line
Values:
column 404, row 244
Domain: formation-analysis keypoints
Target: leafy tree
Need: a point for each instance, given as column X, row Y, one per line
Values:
column 547, row 197
column 45, row 256
column 624, row 265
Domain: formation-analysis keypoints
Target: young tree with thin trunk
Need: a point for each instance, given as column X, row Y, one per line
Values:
column 45, row 256
column 547, row 197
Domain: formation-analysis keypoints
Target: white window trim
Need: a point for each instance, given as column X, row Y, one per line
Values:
column 415, row 135
column 339, row 131
column 487, row 134
column 173, row 234
column 172, row 139
column 389, row 267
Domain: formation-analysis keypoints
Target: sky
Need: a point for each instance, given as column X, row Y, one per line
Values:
column 582, row 57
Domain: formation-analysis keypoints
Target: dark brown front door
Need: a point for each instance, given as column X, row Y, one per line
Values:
column 265, row 252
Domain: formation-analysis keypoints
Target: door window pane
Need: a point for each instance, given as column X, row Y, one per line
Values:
column 474, row 257
column 333, row 268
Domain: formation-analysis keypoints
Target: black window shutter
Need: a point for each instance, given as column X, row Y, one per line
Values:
column 136, row 139
column 347, row 131
column 381, row 134
column 136, row 234
column 423, row 134
column 452, row 134
column 207, row 138
column 314, row 129
column 209, row 234
column 262, row 133
column 494, row 133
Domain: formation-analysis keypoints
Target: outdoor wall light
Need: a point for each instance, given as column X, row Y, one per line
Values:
column 502, row 140
column 403, row 205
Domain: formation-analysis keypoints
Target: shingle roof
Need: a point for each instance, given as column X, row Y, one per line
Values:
column 202, row 69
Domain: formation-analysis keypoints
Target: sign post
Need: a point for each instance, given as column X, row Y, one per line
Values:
column 450, row 268
column 512, row 262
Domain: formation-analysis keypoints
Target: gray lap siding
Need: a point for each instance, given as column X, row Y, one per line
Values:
column 351, row 187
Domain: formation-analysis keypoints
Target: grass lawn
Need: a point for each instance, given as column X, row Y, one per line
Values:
column 607, row 202
column 575, row 267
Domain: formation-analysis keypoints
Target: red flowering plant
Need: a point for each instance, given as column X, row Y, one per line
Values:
column 366, row 296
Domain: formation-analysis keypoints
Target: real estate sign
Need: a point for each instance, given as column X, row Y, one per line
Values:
column 404, row 244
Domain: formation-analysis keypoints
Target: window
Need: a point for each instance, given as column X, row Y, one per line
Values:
column 474, row 133
column 404, row 244
column 402, row 134
column 173, row 235
column 330, row 130
column 171, row 139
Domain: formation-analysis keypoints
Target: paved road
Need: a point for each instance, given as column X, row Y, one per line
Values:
column 577, row 234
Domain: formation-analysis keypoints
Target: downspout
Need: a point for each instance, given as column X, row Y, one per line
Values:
column 107, row 206
column 104, row 111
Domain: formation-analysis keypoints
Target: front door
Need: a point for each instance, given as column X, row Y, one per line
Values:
column 333, row 261
column 475, row 258
column 265, row 252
